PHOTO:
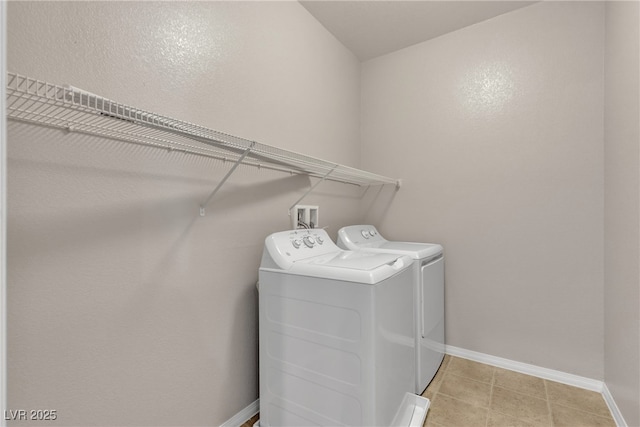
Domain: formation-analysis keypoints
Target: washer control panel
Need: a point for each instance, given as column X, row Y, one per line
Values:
column 309, row 239
column 306, row 239
column 284, row 248
column 299, row 244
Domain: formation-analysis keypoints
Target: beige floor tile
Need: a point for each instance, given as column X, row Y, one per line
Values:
column 525, row 384
column 428, row 423
column 520, row 406
column 469, row 369
column 431, row 389
column 449, row 412
column 577, row 398
column 465, row 389
column 429, row 394
column 570, row 417
column 496, row 419
column 445, row 361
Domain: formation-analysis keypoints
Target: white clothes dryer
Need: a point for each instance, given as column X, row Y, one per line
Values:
column 428, row 292
column 336, row 337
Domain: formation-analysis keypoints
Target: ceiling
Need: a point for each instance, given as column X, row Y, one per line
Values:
column 373, row 28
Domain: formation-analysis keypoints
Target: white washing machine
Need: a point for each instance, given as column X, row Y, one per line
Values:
column 336, row 335
column 429, row 292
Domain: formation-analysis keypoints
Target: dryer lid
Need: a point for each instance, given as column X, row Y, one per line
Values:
column 367, row 238
column 414, row 250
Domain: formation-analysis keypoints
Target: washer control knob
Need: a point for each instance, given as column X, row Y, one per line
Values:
column 296, row 243
column 365, row 234
column 309, row 241
column 320, row 240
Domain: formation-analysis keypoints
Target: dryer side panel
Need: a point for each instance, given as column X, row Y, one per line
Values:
column 431, row 321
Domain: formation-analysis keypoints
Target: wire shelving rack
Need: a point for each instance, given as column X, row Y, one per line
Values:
column 66, row 107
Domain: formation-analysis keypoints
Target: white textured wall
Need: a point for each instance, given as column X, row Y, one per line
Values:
column 125, row 306
column 497, row 131
column 622, row 207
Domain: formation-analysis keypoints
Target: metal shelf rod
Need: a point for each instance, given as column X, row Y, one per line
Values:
column 312, row 188
column 223, row 180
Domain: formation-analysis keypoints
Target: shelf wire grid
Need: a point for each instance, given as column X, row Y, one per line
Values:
column 65, row 107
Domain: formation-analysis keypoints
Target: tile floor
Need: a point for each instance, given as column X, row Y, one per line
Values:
column 465, row 393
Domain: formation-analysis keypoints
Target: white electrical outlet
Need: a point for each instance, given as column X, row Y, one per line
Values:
column 304, row 216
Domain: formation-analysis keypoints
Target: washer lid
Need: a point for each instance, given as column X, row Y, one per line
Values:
column 362, row 261
column 312, row 253
column 361, row 267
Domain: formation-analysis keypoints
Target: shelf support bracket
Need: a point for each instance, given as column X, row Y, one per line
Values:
column 225, row 178
column 312, row 188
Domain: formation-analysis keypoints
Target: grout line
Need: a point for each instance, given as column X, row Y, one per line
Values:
column 493, row 381
column 586, row 411
column 546, row 394
column 470, row 379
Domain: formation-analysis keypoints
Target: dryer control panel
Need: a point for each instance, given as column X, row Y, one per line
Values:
column 361, row 234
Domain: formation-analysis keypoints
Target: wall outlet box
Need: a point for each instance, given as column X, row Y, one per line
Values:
column 304, row 216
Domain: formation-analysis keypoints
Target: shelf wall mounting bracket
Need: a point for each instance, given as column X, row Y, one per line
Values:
column 312, row 188
column 225, row 178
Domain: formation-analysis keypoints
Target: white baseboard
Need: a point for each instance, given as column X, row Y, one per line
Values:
column 547, row 374
column 615, row 411
column 525, row 368
column 243, row 416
